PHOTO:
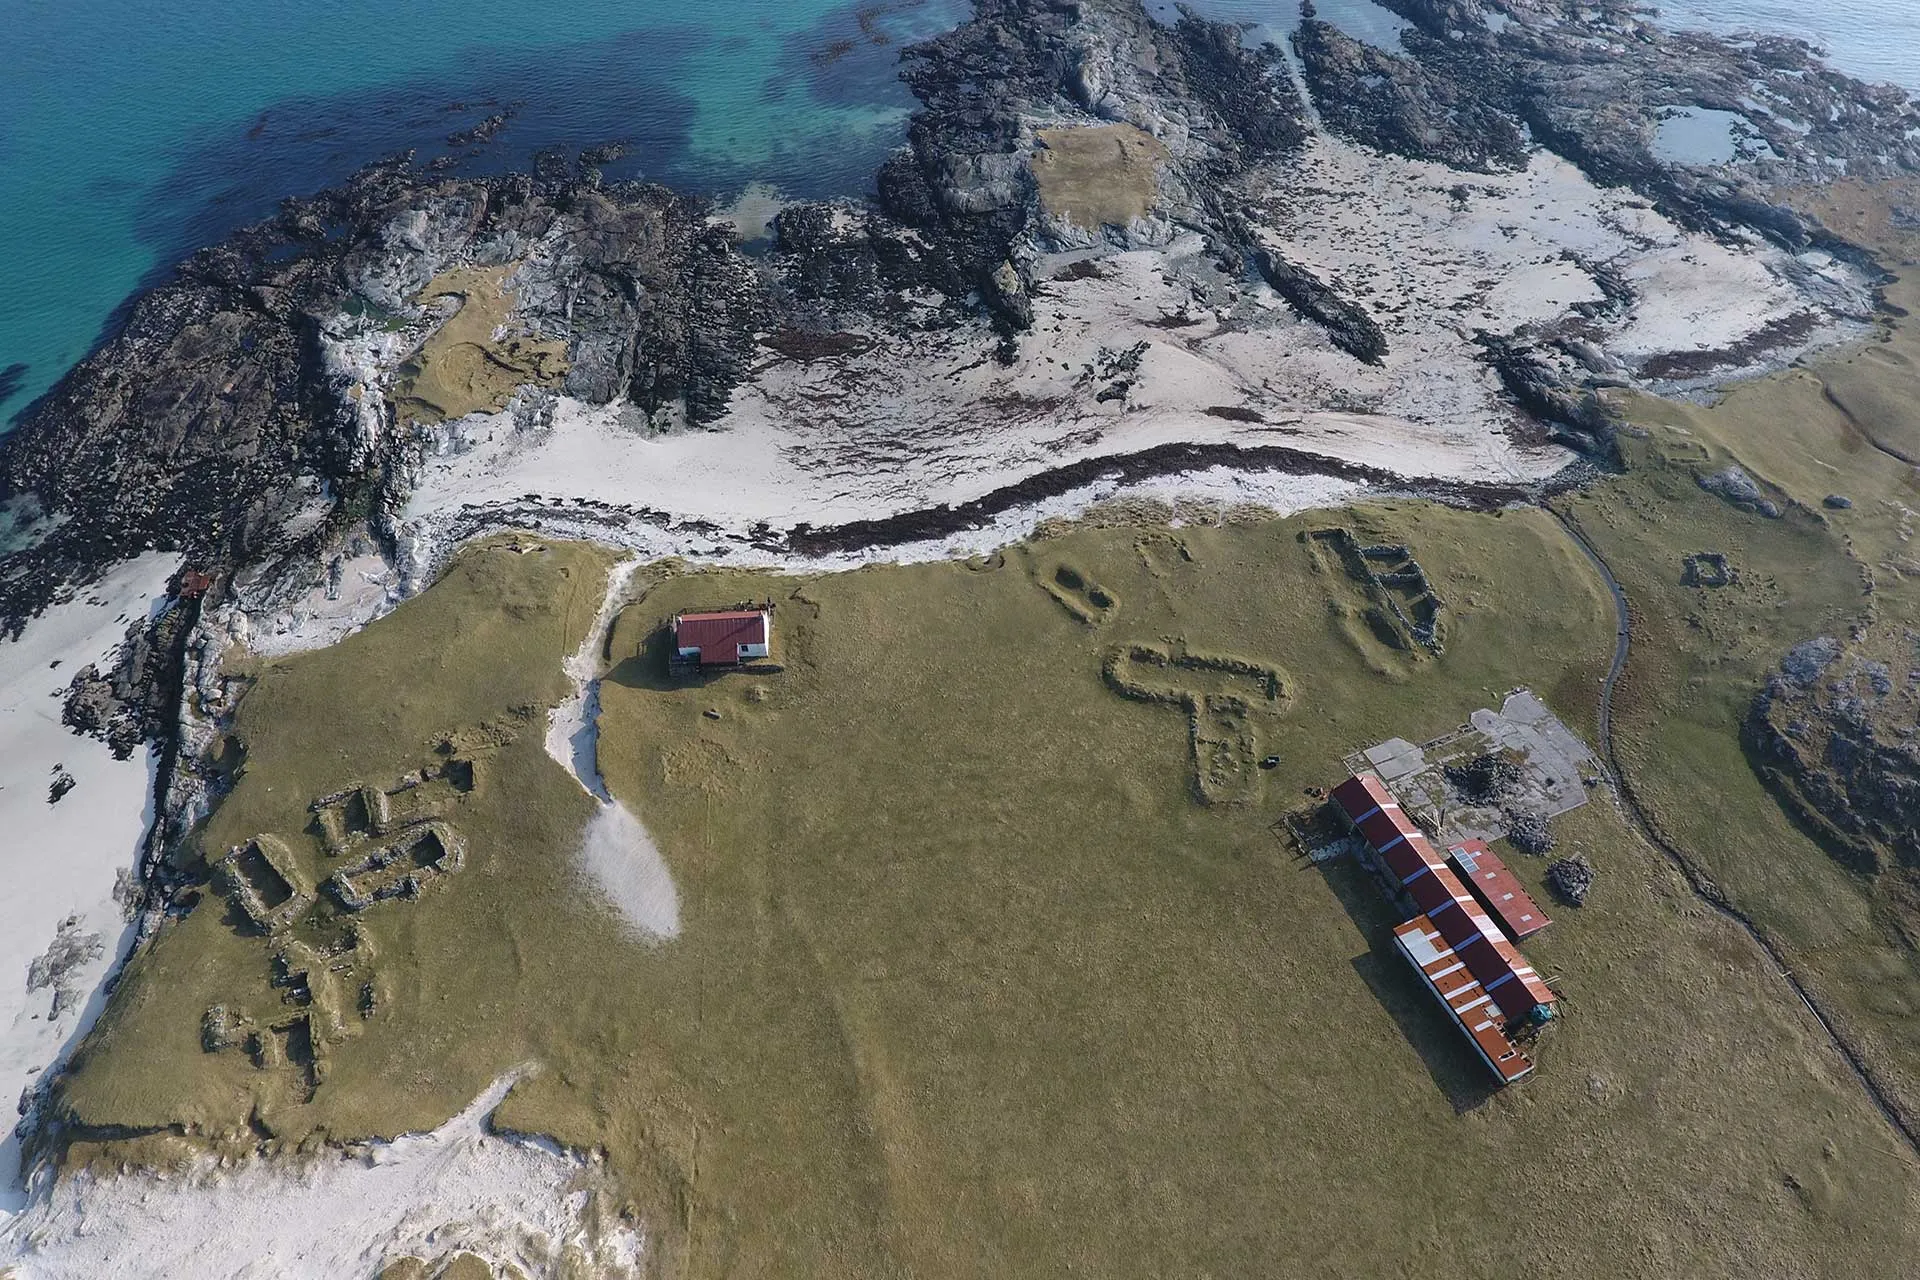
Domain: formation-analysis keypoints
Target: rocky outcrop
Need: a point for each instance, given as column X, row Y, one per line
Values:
column 243, row 409
column 1346, row 321
column 1556, row 395
column 1420, row 110
column 133, row 701
column 1592, row 80
column 231, row 394
column 1836, row 732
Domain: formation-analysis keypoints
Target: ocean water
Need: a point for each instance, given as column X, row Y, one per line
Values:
column 1877, row 40
column 131, row 133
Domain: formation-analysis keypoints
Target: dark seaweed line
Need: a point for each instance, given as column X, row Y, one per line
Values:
column 1702, row 884
column 1128, row 468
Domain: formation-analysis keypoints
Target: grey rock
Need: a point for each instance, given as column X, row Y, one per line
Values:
column 1571, row 879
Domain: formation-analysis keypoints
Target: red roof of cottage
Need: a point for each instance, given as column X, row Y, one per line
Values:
column 1498, row 888
column 719, row 635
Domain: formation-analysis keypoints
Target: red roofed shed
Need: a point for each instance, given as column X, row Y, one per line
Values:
column 1498, row 888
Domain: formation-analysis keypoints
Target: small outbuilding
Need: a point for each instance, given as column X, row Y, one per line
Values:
column 1498, row 889
column 722, row 638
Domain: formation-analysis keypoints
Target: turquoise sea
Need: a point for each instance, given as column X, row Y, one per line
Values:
column 131, row 133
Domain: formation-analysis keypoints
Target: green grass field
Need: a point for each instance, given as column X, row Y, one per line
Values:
column 991, row 961
column 1701, row 655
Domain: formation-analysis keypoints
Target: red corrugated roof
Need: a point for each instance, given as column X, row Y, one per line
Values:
column 719, row 635
column 1498, row 888
column 1442, row 897
column 1467, row 1002
column 1361, row 793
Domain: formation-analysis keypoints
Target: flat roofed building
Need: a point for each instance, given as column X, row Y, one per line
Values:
column 1477, row 1014
column 724, row 638
column 1498, row 889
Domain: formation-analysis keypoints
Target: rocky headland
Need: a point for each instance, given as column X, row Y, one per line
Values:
column 254, row 404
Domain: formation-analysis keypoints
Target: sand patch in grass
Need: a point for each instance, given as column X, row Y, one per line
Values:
column 472, row 363
column 620, row 858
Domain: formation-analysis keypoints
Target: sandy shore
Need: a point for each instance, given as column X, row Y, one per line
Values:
column 60, row 861
column 516, row 1201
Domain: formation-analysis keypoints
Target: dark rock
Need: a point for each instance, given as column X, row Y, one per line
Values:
column 1347, row 323
column 1571, row 879
column 1248, row 89
column 1837, row 502
column 1407, row 107
column 1530, row 833
column 1593, row 87
column 485, row 131
column 1573, row 414
column 56, row 968
column 1485, row 779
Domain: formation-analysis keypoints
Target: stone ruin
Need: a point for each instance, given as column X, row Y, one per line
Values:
column 326, row 992
column 1707, row 569
column 263, row 880
column 400, row 869
column 1223, row 695
column 1403, row 609
column 399, row 842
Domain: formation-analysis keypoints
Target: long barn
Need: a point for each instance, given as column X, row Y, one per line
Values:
column 1486, row 985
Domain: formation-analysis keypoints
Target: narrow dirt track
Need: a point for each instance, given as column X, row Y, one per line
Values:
column 1697, row 879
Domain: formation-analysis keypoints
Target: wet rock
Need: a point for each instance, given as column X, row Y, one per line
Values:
column 1411, row 108
column 1248, row 89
